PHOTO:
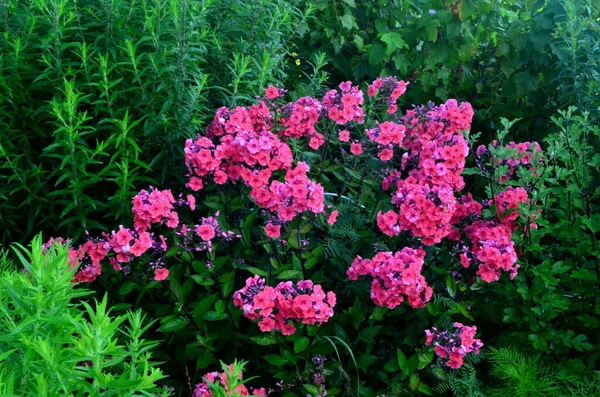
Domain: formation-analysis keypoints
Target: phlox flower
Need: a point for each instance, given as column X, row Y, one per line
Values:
column 453, row 346
column 278, row 308
column 272, row 92
column 344, row 136
column 206, row 232
column 356, row 149
column 396, row 276
column 161, row 274
column 221, row 379
column 273, row 230
column 332, row 218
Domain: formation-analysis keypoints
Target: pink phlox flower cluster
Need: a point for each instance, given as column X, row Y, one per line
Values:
column 299, row 119
column 387, row 135
column 221, row 379
column 294, row 195
column 200, row 237
column 507, row 207
column 425, row 211
column 345, row 106
column 127, row 243
column 436, row 148
column 466, row 207
column 245, row 147
column 247, row 150
column 395, row 276
column 441, row 161
column 278, row 307
column 459, row 115
column 390, row 89
column 492, row 250
column 153, row 207
column 87, row 256
column 523, row 154
column 452, row 347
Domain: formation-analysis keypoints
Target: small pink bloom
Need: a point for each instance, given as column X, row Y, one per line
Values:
column 333, row 217
column 173, row 220
column 206, row 232
column 272, row 92
column 220, row 177
column 371, row 91
column 429, row 337
column 386, row 154
column 344, row 136
column 123, row 236
column 356, row 149
column 272, row 230
column 195, row 184
column 161, row 274
column 191, row 201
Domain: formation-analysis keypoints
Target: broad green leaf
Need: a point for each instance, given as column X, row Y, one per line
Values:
column 393, row 41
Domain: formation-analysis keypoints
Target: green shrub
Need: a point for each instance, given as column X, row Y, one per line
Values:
column 552, row 307
column 510, row 58
column 51, row 344
column 96, row 97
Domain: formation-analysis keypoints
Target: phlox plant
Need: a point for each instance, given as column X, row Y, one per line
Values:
column 297, row 213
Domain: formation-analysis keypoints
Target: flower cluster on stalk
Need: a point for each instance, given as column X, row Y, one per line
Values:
column 278, row 308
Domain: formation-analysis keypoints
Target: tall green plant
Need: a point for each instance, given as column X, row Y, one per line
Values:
column 51, row 344
column 553, row 305
column 96, row 97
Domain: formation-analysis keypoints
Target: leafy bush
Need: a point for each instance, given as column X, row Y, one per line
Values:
column 515, row 59
column 292, row 194
column 552, row 307
column 95, row 97
column 51, row 345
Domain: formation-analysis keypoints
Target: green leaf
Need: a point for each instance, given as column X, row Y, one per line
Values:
column 347, row 21
column 203, row 306
column 432, row 30
column 214, row 316
column 174, row 324
column 301, row 344
column 351, row 3
column 376, row 55
column 466, row 10
column 393, row 41
column 402, row 362
column 463, row 310
column 275, row 360
column 360, row 43
column 288, row 274
column 203, row 280
column 257, row 271
column 126, row 287
column 451, row 285
column 312, row 390
column 264, row 340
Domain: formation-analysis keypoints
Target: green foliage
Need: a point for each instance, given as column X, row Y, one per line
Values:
column 552, row 305
column 522, row 376
column 51, row 345
column 96, row 97
column 511, row 58
column 515, row 374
